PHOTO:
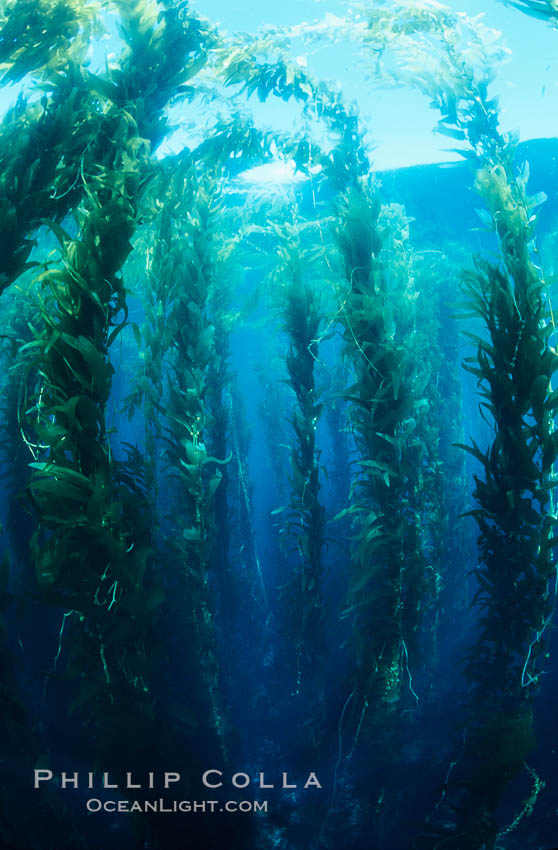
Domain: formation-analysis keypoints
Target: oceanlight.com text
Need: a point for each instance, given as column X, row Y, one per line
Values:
column 161, row 806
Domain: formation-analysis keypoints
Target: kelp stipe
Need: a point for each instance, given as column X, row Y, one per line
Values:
column 379, row 403
column 218, row 396
column 84, row 549
column 444, row 492
column 273, row 399
column 146, row 274
column 413, row 320
column 20, row 741
column 380, row 407
column 196, row 473
column 227, row 438
column 514, row 367
column 516, row 537
column 14, row 452
column 303, row 518
column 93, row 544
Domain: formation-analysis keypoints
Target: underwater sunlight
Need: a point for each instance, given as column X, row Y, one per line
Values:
column 278, row 356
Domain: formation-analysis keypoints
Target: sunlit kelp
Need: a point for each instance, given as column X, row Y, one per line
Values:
column 262, row 65
column 41, row 146
column 165, row 47
column 45, row 147
column 544, row 9
column 35, row 37
column 164, row 600
column 514, row 366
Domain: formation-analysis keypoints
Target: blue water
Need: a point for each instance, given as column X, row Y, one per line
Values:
column 187, row 615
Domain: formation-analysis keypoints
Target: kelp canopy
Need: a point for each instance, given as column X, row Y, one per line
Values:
column 277, row 463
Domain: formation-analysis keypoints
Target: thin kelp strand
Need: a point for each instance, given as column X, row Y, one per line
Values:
column 52, row 670
column 264, row 603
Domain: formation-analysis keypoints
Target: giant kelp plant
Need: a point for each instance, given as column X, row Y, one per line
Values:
column 514, row 367
column 196, row 472
column 382, row 402
column 198, row 368
column 304, row 517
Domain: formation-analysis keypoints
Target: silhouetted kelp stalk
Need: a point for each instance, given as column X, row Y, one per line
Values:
column 17, row 331
column 227, row 430
column 514, row 368
column 445, row 481
column 302, row 316
column 384, row 599
column 18, row 718
column 218, row 397
column 246, row 550
column 415, row 323
column 272, row 393
column 338, row 427
column 153, row 263
column 92, row 545
column 423, row 292
column 246, row 579
column 380, row 400
column 202, row 435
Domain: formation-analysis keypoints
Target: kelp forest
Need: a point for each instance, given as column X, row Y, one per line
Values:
column 278, row 550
